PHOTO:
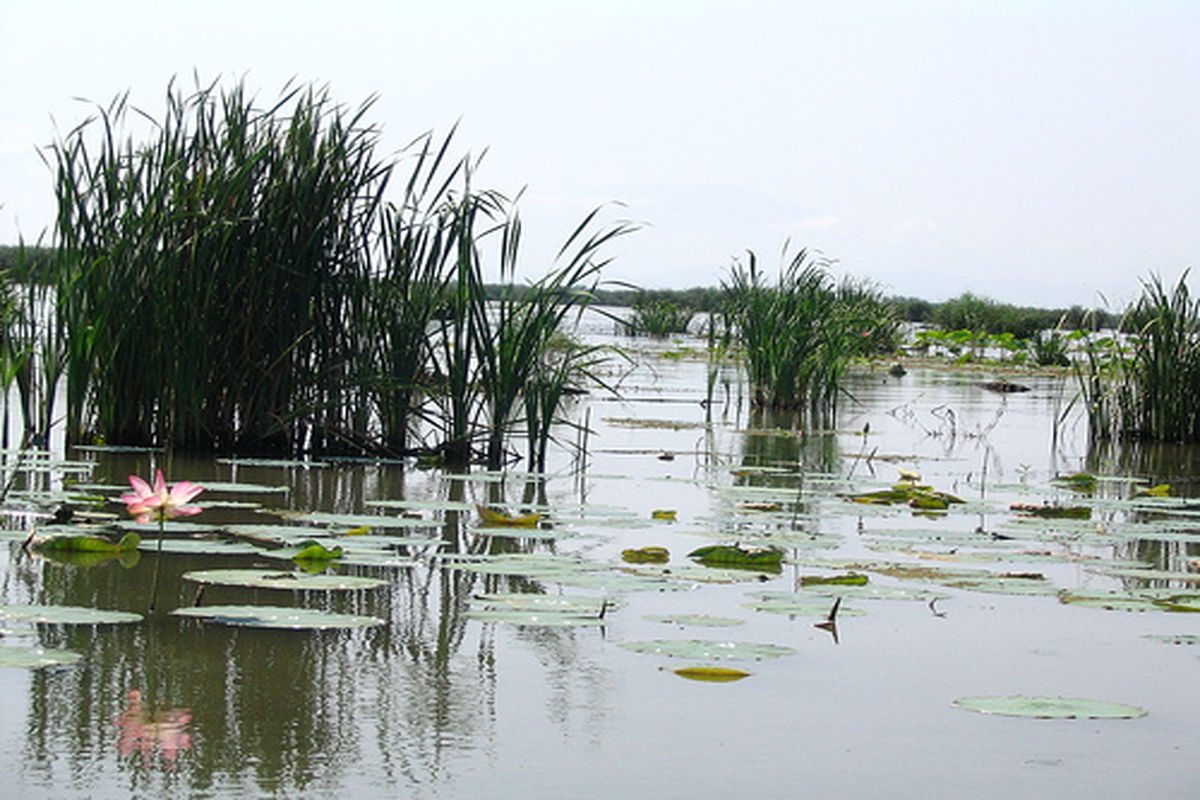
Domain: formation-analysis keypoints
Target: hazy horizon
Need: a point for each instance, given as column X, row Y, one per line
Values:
column 1033, row 153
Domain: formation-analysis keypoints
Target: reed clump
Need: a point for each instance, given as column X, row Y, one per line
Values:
column 1144, row 384
column 243, row 281
column 800, row 333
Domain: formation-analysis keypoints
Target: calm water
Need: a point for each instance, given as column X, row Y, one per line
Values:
column 434, row 704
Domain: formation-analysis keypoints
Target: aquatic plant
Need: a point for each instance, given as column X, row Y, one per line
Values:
column 203, row 294
column 240, row 283
column 800, row 334
column 160, row 503
column 1144, row 386
column 658, row 317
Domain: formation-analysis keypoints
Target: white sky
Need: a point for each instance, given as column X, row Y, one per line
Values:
column 1040, row 152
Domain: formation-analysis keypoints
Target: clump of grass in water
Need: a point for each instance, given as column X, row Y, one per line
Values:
column 239, row 284
column 799, row 335
column 656, row 317
column 1146, row 388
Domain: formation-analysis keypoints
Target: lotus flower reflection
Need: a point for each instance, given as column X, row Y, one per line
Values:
column 157, row 502
column 144, row 731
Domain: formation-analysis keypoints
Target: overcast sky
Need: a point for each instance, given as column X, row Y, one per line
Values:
column 1040, row 152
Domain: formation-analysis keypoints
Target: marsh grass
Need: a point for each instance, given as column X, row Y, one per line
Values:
column 657, row 317
column 241, row 282
column 800, row 333
column 1145, row 385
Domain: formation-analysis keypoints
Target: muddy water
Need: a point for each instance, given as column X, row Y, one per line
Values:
column 435, row 704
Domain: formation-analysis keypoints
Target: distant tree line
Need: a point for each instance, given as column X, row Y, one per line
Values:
column 966, row 312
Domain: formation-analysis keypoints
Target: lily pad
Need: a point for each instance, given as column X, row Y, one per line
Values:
column 709, row 650
column 16, row 656
column 547, row 618
column 698, row 620
column 563, row 603
column 274, row 579
column 711, row 674
column 651, row 554
column 1050, row 707
column 65, row 615
column 282, row 617
column 725, row 555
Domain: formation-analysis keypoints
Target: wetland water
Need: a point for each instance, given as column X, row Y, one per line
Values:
column 438, row 703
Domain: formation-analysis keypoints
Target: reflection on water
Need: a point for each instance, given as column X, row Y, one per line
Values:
column 435, row 704
column 141, row 730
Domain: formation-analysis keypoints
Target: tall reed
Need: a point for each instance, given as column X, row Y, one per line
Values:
column 242, row 282
column 1146, row 388
column 800, row 333
column 205, row 300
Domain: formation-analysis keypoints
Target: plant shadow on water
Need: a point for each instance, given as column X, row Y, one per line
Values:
column 579, row 696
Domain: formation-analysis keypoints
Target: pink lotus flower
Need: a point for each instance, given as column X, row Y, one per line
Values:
column 157, row 502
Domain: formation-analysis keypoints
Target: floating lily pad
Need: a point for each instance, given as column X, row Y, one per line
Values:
column 201, row 547
column 277, row 617
column 528, row 564
column 271, row 463
column 1050, row 707
column 34, row 657
column 799, row 605
column 1112, row 601
column 1166, row 638
column 546, row 618
column 359, row 520
column 709, row 650
column 83, row 543
column 725, row 555
column 528, row 601
column 651, row 554
column 698, row 620
column 274, row 579
column 422, row 505
column 65, row 615
column 711, row 674
column 244, row 488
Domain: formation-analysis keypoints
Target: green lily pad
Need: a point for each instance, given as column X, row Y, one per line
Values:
column 65, row 615
column 724, row 555
column 1166, row 638
column 281, row 617
column 546, row 618
column 422, row 505
column 1050, row 707
column 274, row 579
column 244, row 488
column 709, row 650
column 271, row 463
column 359, row 520
column 698, row 620
column 1112, row 601
column 34, row 657
column 798, row 605
column 562, row 603
column 201, row 547
column 83, row 543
